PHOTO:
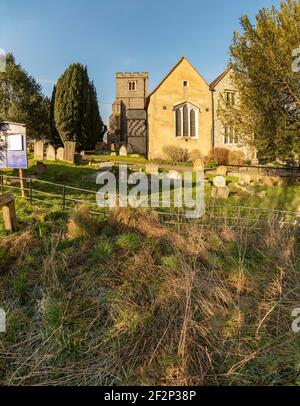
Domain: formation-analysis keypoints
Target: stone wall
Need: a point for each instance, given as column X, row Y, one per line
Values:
column 226, row 84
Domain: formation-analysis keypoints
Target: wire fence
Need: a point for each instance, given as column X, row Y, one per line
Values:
column 216, row 214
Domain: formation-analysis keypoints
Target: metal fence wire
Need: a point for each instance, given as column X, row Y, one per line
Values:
column 216, row 214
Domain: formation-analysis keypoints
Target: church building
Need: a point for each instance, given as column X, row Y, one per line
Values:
column 181, row 111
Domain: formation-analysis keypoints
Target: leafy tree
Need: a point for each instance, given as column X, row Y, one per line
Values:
column 21, row 99
column 267, row 114
column 76, row 110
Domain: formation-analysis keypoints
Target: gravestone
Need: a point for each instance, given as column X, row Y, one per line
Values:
column 219, row 181
column 151, row 169
column 106, row 166
column 174, row 175
column 38, row 154
column 220, row 192
column 244, row 179
column 40, row 168
column 50, row 153
column 60, row 154
column 198, row 165
column 222, row 170
column 129, row 149
column 123, row 151
column 69, row 151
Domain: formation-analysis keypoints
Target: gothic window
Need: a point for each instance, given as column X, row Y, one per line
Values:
column 185, row 112
column 186, row 121
column 230, row 135
column 230, row 98
column 192, row 123
column 178, row 123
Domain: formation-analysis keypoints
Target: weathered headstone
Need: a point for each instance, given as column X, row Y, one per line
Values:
column 174, row 175
column 220, row 192
column 244, row 179
column 123, row 151
column 106, row 166
column 50, row 153
column 129, row 149
column 40, row 168
column 151, row 169
column 198, row 165
column 222, row 170
column 60, row 154
column 69, row 151
column 219, row 181
column 38, row 154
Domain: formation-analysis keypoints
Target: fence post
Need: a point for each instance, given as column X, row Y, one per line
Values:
column 2, row 182
column 30, row 191
column 64, row 198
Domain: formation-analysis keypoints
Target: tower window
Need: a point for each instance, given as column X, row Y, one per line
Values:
column 185, row 83
column 132, row 86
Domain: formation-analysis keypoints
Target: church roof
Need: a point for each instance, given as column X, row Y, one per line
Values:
column 218, row 79
column 170, row 72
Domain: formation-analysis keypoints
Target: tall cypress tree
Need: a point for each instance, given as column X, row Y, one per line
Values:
column 54, row 136
column 76, row 111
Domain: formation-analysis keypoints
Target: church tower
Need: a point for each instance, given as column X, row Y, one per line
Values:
column 128, row 119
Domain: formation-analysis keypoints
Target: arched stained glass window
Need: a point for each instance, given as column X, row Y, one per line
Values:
column 193, row 123
column 185, row 112
column 178, row 123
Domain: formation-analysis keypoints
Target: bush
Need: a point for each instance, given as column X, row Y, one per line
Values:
column 221, row 155
column 236, row 158
column 176, row 154
column 195, row 155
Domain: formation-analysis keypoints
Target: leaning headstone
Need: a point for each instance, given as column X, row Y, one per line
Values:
column 123, row 151
column 151, row 169
column 222, row 170
column 106, row 166
column 129, row 149
column 50, row 153
column 174, row 175
column 220, row 192
column 60, row 154
column 198, row 165
column 244, row 179
column 69, row 151
column 40, row 168
column 39, row 151
column 219, row 181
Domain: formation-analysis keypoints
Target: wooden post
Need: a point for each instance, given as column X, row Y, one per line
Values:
column 7, row 202
column 22, row 182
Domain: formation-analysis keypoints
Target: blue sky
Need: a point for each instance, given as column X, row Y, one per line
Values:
column 109, row 36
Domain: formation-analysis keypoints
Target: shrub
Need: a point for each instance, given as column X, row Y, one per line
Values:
column 221, row 155
column 176, row 154
column 82, row 223
column 195, row 155
column 236, row 158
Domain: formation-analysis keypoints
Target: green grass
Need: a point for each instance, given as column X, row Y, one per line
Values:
column 136, row 306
